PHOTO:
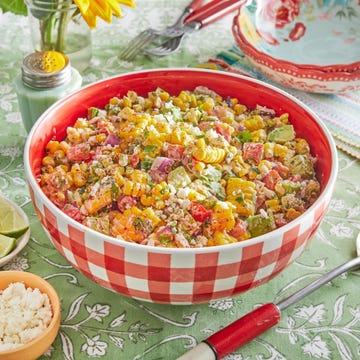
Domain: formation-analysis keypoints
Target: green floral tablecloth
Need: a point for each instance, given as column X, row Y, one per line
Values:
column 99, row 323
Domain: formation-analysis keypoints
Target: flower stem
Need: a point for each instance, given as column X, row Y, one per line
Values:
column 47, row 33
column 64, row 19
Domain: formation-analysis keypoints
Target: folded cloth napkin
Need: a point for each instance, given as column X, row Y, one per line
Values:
column 339, row 112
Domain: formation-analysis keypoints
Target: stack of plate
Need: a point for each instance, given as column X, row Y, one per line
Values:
column 310, row 46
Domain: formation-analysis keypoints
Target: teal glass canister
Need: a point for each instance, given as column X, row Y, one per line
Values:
column 45, row 78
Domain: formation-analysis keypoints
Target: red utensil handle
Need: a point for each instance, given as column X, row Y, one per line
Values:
column 195, row 4
column 213, row 11
column 244, row 329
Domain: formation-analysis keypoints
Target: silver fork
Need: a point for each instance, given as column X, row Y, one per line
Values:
column 148, row 35
column 208, row 14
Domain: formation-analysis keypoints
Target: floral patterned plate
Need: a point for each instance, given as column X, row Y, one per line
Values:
column 310, row 79
column 321, row 34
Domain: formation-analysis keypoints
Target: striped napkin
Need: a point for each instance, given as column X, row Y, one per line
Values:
column 340, row 112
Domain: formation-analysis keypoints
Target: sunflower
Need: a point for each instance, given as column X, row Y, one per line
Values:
column 104, row 9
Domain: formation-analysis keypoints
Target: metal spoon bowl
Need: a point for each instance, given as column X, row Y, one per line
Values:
column 261, row 319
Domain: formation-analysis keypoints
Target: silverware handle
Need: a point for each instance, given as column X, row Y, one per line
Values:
column 193, row 6
column 236, row 334
column 258, row 321
column 324, row 279
column 213, row 11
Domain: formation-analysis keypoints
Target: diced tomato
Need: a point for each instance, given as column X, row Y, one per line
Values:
column 280, row 220
column 239, row 229
column 221, row 111
column 102, row 123
column 190, row 163
column 73, row 212
column 281, row 169
column 253, row 152
column 79, row 152
column 271, row 178
column 175, row 151
column 134, row 160
column 206, row 125
column 199, row 212
column 222, row 130
column 125, row 202
column 295, row 178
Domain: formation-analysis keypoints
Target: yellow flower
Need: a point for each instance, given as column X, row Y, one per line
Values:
column 104, row 9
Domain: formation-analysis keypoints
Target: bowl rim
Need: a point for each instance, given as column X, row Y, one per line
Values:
column 287, row 67
column 139, row 247
column 32, row 280
column 336, row 67
column 22, row 240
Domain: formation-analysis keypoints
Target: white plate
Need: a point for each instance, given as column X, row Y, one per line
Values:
column 21, row 241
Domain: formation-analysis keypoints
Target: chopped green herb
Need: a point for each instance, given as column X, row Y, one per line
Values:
column 138, row 222
column 244, row 136
column 114, row 190
column 148, row 149
column 240, row 198
column 92, row 112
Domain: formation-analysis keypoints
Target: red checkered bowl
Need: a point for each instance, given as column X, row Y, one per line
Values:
column 170, row 275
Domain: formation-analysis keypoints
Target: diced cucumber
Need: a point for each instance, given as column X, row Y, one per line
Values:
column 179, row 177
column 259, row 224
column 282, row 134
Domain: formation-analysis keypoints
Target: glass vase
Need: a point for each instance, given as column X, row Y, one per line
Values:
column 58, row 25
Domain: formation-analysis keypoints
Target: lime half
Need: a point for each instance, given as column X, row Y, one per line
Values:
column 7, row 244
column 12, row 223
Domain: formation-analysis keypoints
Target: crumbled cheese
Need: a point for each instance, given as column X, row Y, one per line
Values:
column 24, row 314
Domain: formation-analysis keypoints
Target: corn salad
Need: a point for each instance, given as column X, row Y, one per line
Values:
column 191, row 170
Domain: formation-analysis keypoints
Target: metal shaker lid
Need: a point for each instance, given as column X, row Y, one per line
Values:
column 46, row 69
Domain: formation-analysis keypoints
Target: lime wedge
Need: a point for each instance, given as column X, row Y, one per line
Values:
column 7, row 244
column 12, row 223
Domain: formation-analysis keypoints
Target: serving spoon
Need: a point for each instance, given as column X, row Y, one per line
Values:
column 261, row 319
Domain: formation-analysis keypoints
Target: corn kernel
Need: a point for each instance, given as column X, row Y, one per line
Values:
column 280, row 151
column 292, row 214
column 207, row 106
column 52, row 146
column 239, row 109
column 127, row 102
column 48, row 161
column 146, row 200
column 200, row 143
column 60, row 195
column 273, row 204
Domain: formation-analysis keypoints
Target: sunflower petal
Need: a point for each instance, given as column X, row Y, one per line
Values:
column 115, row 7
column 90, row 18
column 130, row 3
column 102, row 9
column 83, row 5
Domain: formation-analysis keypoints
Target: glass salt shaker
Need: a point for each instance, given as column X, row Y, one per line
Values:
column 46, row 77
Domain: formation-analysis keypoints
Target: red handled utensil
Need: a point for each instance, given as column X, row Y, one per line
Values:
column 261, row 319
column 201, row 17
column 148, row 35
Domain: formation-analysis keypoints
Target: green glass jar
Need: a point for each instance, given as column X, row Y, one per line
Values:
column 45, row 78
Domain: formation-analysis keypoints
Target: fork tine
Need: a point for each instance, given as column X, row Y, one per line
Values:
column 168, row 47
column 131, row 50
column 136, row 45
